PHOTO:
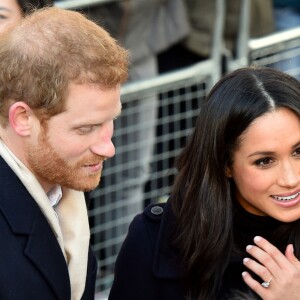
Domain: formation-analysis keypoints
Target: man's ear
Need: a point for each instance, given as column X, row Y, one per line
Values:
column 19, row 116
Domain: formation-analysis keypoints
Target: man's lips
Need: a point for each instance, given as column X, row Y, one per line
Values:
column 94, row 167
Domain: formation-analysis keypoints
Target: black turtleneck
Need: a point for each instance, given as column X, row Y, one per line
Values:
column 245, row 227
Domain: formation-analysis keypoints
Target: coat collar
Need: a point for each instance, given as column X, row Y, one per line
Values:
column 24, row 217
column 166, row 262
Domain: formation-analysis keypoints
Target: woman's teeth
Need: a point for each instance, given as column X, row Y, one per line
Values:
column 287, row 198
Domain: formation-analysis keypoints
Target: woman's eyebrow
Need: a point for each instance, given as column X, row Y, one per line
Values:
column 261, row 153
column 296, row 145
column 4, row 8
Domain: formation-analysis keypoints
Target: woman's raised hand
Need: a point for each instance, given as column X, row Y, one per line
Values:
column 280, row 273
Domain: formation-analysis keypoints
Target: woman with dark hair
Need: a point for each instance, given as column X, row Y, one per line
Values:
column 12, row 11
column 231, row 225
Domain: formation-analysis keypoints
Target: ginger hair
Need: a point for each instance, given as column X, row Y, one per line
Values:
column 51, row 48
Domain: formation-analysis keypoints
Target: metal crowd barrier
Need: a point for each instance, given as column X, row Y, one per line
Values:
column 179, row 96
column 279, row 50
column 77, row 4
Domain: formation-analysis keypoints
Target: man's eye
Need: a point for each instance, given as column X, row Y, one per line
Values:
column 85, row 129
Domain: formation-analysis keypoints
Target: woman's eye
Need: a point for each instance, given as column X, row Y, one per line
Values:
column 297, row 152
column 264, row 162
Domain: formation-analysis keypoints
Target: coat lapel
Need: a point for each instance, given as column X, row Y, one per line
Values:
column 25, row 218
column 166, row 263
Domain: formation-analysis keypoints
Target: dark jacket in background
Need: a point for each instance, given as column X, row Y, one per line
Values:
column 142, row 26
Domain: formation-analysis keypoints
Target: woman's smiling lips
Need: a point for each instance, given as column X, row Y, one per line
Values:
column 287, row 200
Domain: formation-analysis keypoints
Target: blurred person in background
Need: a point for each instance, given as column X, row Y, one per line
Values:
column 197, row 46
column 12, row 11
column 60, row 77
column 287, row 14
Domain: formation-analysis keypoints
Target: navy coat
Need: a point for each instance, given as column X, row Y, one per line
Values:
column 32, row 265
column 157, row 275
column 148, row 267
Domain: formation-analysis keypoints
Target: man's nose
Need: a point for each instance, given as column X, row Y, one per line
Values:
column 103, row 144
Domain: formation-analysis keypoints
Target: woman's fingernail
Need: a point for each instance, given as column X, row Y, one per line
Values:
column 244, row 274
column 245, row 260
column 257, row 238
column 249, row 247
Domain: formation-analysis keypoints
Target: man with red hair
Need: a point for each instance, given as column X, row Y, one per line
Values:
column 60, row 77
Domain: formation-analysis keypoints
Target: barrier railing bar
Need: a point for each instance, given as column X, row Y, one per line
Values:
column 217, row 40
column 73, row 4
column 201, row 69
column 274, row 38
column 243, row 35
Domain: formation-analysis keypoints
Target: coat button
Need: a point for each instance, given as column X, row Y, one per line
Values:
column 157, row 210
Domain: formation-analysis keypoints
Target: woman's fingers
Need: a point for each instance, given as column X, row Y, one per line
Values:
column 255, row 285
column 289, row 254
column 279, row 273
column 267, row 256
column 258, row 269
column 270, row 255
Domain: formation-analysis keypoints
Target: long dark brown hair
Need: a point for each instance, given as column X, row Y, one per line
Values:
column 201, row 197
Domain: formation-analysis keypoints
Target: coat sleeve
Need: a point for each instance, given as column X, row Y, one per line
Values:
column 134, row 278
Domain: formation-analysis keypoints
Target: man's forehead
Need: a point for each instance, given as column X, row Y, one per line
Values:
column 92, row 99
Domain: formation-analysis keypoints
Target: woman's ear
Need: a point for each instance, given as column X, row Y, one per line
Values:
column 228, row 173
column 19, row 116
